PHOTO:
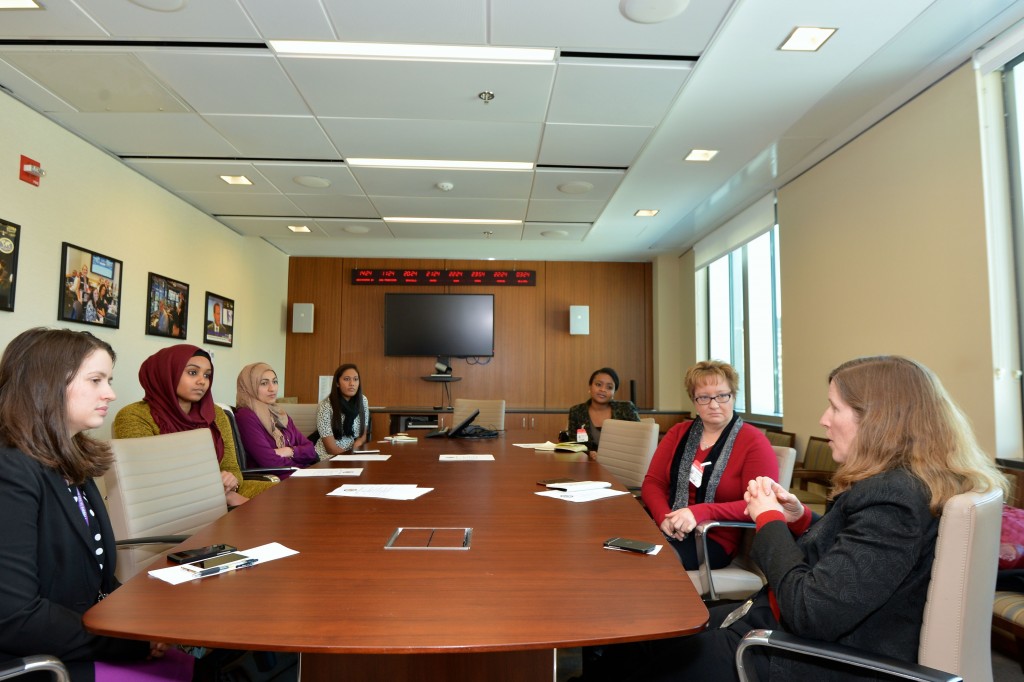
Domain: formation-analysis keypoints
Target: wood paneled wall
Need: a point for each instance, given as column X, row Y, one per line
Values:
column 536, row 363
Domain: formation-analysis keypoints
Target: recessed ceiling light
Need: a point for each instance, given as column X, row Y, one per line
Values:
column 651, row 11
column 455, row 221
column 236, row 179
column 646, row 213
column 575, row 187
column 554, row 233
column 298, row 228
column 480, row 53
column 314, row 181
column 356, row 229
column 19, row 4
column 701, row 155
column 806, row 39
column 442, row 164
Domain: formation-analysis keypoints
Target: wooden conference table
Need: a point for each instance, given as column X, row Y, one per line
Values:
column 535, row 578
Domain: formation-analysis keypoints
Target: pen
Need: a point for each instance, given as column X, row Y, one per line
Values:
column 227, row 567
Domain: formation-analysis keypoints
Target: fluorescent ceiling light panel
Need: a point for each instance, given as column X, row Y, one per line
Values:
column 477, row 53
column 806, row 39
column 298, row 228
column 701, row 154
column 646, row 213
column 442, row 164
column 458, row 221
column 236, row 179
column 19, row 4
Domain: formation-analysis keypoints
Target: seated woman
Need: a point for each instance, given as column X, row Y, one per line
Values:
column 268, row 434
column 858, row 575
column 58, row 556
column 590, row 416
column 343, row 417
column 177, row 384
column 700, row 470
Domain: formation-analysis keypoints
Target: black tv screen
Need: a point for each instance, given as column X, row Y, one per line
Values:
column 452, row 325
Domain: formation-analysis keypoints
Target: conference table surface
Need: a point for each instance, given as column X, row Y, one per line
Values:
column 535, row 577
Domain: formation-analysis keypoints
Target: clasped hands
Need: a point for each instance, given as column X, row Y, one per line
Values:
column 763, row 494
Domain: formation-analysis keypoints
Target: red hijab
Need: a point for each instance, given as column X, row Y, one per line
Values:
column 159, row 376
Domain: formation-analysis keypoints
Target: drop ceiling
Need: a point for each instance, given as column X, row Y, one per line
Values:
column 187, row 91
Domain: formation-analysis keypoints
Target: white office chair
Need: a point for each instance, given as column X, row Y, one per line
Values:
column 167, row 486
column 626, row 448
column 35, row 664
column 957, row 613
column 741, row 578
column 492, row 413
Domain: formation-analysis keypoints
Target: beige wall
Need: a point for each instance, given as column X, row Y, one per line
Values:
column 92, row 200
column 674, row 341
column 883, row 251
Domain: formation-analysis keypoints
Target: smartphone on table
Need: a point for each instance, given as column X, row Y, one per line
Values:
column 188, row 555
column 630, row 545
column 219, row 564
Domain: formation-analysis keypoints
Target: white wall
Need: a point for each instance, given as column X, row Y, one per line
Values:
column 883, row 250
column 92, row 200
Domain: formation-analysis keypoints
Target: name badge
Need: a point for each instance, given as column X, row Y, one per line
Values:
column 697, row 473
column 581, row 436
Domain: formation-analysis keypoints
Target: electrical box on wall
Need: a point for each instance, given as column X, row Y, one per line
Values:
column 302, row 318
column 579, row 319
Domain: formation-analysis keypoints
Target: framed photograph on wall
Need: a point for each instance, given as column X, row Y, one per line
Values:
column 220, row 320
column 8, row 263
column 167, row 307
column 90, row 287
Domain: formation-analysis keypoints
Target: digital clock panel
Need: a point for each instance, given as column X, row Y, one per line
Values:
column 405, row 276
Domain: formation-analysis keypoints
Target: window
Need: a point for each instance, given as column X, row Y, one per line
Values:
column 743, row 322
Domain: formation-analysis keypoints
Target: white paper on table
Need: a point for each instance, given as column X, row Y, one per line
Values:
column 305, row 473
column 360, row 458
column 466, row 458
column 387, row 491
column 548, row 445
column 176, row 575
column 583, row 495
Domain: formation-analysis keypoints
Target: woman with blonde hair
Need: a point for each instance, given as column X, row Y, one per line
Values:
column 268, row 434
column 857, row 576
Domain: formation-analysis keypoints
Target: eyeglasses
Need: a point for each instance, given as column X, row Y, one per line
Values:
column 706, row 399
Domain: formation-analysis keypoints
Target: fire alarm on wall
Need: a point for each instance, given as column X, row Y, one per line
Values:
column 30, row 170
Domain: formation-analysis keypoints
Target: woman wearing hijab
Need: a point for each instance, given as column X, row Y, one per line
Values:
column 268, row 434
column 343, row 417
column 177, row 384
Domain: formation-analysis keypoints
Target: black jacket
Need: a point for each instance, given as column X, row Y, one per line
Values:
column 49, row 575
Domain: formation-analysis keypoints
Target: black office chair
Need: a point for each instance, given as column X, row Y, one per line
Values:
column 250, row 473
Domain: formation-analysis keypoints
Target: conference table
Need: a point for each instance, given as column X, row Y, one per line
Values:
column 534, row 578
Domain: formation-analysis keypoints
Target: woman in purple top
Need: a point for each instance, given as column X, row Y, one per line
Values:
column 267, row 432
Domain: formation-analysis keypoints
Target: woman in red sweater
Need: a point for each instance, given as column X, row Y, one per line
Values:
column 701, row 468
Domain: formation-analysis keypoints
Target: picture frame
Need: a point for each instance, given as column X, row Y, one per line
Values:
column 9, row 237
column 166, row 307
column 219, row 320
column 90, row 287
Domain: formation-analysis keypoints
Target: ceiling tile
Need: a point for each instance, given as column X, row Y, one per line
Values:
column 242, row 204
column 150, row 134
column 446, row 22
column 467, row 184
column 553, row 232
column 283, row 175
column 269, row 227
column 488, row 209
column 201, row 175
column 395, row 138
column 338, row 205
column 354, row 229
column 547, row 182
column 592, row 145
column 275, row 137
column 616, row 92
column 209, row 20
column 477, row 232
column 565, row 211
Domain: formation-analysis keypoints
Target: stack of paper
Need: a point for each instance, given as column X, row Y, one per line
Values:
column 381, row 490
column 307, row 473
column 359, row 458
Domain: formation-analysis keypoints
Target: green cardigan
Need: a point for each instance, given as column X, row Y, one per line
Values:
column 136, row 421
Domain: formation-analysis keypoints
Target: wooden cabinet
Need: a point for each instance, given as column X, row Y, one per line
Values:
column 545, row 424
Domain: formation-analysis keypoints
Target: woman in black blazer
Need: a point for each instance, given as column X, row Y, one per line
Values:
column 57, row 556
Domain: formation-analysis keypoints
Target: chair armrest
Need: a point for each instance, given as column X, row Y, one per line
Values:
column 266, row 474
column 29, row 664
column 701, row 538
column 820, row 476
column 833, row 652
column 151, row 540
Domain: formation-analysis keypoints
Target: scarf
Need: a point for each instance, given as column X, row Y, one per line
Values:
column 686, row 452
column 159, row 376
column 273, row 418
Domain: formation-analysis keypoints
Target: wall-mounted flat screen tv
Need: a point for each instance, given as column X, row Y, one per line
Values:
column 444, row 325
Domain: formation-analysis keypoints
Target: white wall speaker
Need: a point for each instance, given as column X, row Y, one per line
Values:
column 579, row 319
column 302, row 318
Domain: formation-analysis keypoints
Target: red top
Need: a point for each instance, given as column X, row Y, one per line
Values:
column 752, row 456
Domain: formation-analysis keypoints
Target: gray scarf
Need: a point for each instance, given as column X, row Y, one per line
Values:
column 686, row 453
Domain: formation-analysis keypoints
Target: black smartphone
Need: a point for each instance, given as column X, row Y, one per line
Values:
column 630, row 545
column 188, row 555
column 219, row 564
